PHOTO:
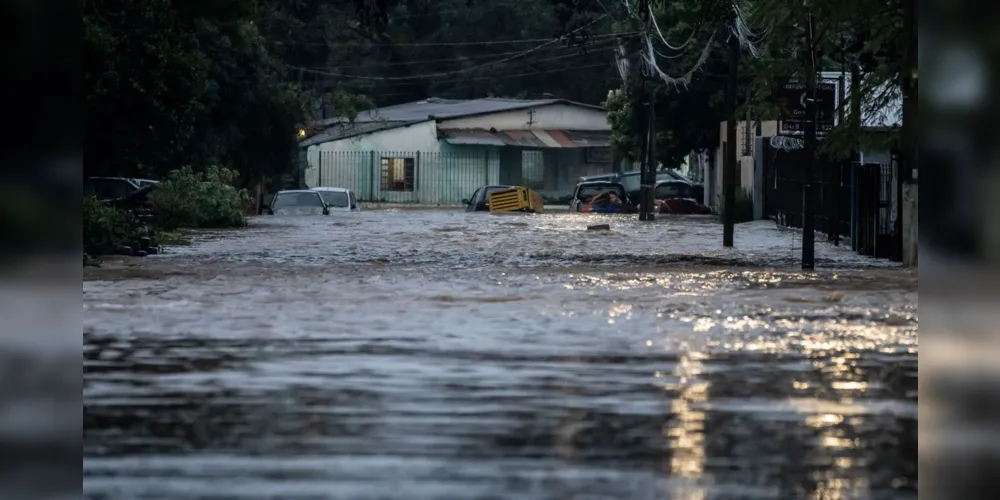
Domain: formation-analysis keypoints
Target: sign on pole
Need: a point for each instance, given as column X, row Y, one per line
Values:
column 793, row 110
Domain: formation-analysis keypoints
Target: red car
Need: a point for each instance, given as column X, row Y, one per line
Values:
column 677, row 197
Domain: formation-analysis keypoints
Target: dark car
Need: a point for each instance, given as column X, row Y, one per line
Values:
column 109, row 188
column 297, row 202
column 632, row 181
column 677, row 197
column 601, row 197
column 479, row 202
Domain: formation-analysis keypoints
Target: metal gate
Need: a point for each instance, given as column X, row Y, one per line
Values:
column 877, row 231
column 850, row 200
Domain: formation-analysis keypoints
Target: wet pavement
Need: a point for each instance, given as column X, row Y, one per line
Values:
column 439, row 354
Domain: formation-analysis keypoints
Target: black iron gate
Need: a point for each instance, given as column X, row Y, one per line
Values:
column 851, row 200
column 877, row 210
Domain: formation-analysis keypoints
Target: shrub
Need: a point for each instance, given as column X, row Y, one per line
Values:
column 106, row 229
column 199, row 199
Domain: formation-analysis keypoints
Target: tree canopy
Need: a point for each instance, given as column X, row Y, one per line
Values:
column 171, row 83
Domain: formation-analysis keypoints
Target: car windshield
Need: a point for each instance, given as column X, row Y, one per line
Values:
column 670, row 175
column 632, row 182
column 306, row 199
column 587, row 192
column 672, row 190
column 337, row 199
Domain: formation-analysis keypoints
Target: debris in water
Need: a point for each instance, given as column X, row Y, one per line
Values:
column 599, row 227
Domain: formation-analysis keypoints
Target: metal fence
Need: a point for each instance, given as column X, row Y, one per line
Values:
column 404, row 177
column 852, row 200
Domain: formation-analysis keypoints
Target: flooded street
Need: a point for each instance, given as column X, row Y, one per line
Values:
column 431, row 354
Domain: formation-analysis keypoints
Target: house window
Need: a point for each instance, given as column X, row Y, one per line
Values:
column 397, row 174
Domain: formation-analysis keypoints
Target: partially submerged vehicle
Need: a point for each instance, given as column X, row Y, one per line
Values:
column 109, row 188
column 297, row 202
column 631, row 181
column 338, row 199
column 480, row 201
column 677, row 197
column 516, row 199
column 601, row 197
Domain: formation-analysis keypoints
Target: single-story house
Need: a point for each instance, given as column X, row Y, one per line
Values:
column 439, row 151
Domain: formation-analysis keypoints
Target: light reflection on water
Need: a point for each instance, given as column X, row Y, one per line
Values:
column 451, row 355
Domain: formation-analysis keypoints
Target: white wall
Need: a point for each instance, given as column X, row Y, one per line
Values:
column 554, row 116
column 420, row 137
column 746, row 168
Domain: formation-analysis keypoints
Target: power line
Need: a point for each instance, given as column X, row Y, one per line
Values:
column 417, row 81
column 593, row 46
column 495, row 77
column 444, row 73
column 469, row 43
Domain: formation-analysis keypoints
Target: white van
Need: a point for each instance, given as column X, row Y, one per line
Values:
column 338, row 199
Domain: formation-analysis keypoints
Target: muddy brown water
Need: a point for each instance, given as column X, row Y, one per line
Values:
column 439, row 354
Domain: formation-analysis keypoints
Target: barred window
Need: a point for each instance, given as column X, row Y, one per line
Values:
column 397, row 174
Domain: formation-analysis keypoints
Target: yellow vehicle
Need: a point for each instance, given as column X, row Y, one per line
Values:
column 516, row 199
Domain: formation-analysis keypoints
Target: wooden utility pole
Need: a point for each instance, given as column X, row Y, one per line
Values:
column 648, row 138
column 729, row 162
column 808, row 217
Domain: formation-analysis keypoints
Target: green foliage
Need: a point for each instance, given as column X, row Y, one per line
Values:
column 867, row 34
column 622, row 119
column 192, row 199
column 172, row 83
column 106, row 229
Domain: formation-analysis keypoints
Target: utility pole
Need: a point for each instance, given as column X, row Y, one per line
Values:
column 642, row 129
column 647, row 196
column 808, row 218
column 729, row 160
column 647, row 137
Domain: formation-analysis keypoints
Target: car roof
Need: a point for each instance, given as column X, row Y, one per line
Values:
column 337, row 189
column 599, row 183
column 289, row 191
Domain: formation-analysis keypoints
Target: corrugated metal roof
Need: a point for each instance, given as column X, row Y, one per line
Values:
column 537, row 138
column 432, row 108
column 450, row 108
column 345, row 130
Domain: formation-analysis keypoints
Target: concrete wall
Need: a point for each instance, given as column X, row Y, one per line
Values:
column 745, row 176
column 556, row 116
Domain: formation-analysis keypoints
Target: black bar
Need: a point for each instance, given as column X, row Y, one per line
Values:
column 808, row 218
column 647, row 199
column 729, row 169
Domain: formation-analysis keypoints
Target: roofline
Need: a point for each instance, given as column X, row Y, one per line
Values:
column 305, row 143
column 551, row 102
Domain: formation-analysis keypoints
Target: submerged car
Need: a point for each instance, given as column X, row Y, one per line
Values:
column 297, row 202
column 677, row 197
column 601, row 197
column 632, row 181
column 338, row 199
column 480, row 200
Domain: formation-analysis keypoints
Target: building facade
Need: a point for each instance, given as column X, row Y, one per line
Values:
column 438, row 151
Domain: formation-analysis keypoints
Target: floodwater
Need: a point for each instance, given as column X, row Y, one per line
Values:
column 445, row 355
